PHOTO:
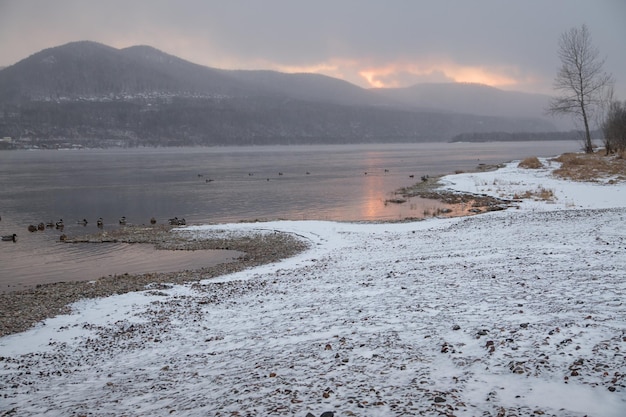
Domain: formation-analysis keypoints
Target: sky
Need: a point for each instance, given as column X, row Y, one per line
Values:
column 510, row 45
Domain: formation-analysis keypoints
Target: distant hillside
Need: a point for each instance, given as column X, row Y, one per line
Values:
column 85, row 69
column 478, row 99
column 310, row 87
column 89, row 94
column 82, row 70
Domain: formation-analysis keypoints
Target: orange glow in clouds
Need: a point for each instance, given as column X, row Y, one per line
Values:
column 481, row 76
column 373, row 76
column 396, row 75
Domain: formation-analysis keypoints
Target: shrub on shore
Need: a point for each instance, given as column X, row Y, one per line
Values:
column 531, row 163
column 540, row 194
column 591, row 167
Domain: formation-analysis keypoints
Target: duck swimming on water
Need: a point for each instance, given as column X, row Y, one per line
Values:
column 9, row 238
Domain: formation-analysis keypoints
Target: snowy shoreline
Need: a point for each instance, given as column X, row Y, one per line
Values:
column 519, row 312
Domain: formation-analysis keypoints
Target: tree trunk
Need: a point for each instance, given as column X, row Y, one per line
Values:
column 588, row 144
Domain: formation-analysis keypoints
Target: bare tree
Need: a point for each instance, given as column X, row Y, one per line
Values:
column 581, row 82
column 614, row 128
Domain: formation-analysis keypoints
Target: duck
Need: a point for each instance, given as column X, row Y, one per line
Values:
column 152, row 220
column 32, row 228
column 123, row 220
column 50, row 224
column 9, row 238
column 41, row 226
column 83, row 222
column 59, row 224
column 100, row 222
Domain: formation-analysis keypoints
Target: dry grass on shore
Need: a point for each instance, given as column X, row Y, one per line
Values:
column 592, row 167
column 540, row 194
column 531, row 163
column 581, row 167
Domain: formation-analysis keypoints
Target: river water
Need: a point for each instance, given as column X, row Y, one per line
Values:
column 207, row 185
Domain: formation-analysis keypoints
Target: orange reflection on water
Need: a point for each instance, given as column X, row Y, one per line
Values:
column 377, row 188
column 379, row 202
column 374, row 203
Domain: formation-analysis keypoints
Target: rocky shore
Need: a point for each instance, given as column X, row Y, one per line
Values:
column 20, row 310
column 517, row 313
column 431, row 188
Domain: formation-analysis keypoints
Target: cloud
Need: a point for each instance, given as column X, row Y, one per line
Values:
column 396, row 77
column 402, row 74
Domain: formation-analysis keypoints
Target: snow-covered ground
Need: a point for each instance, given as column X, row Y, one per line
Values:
column 513, row 313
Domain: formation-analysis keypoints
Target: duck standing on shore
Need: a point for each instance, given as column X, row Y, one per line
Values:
column 10, row 238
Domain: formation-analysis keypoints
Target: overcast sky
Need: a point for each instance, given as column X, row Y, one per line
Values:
column 393, row 43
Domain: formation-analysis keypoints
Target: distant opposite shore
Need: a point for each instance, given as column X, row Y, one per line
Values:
column 8, row 143
column 520, row 136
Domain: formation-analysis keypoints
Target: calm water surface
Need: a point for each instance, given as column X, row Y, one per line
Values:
column 206, row 185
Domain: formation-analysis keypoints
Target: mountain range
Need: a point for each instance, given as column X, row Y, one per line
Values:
column 89, row 94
